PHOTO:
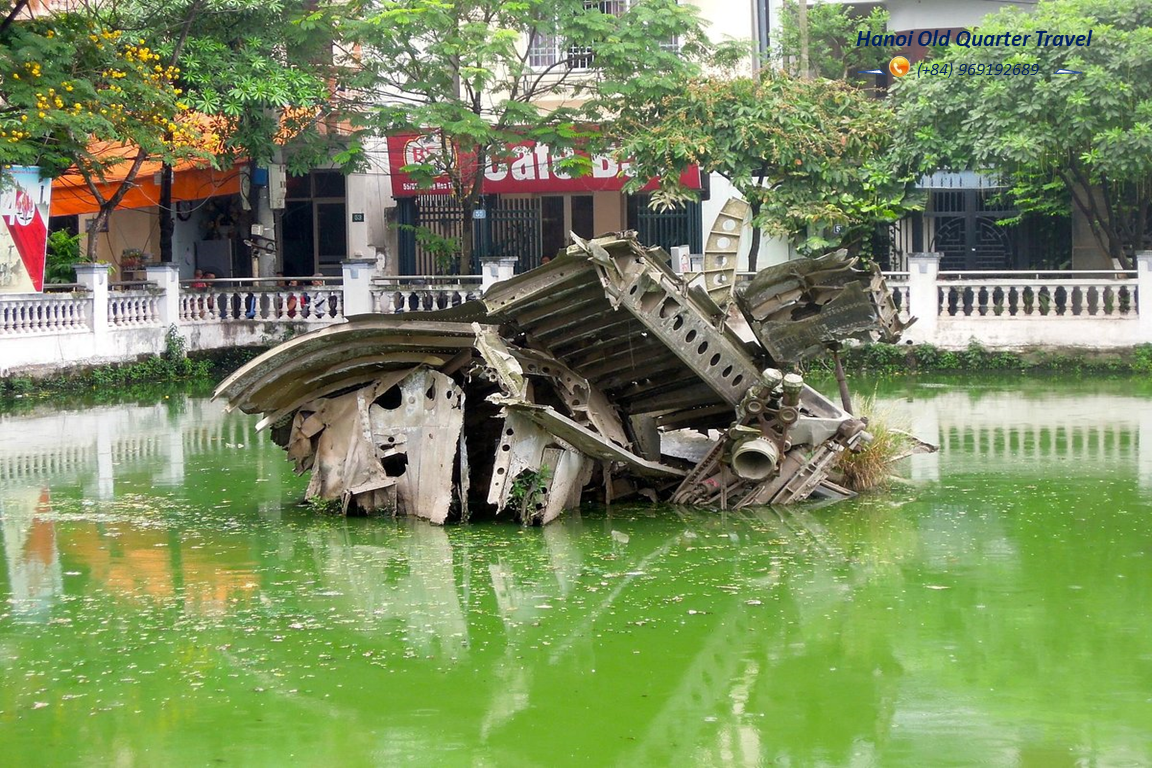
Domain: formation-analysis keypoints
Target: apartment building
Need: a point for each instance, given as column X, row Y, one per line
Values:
column 318, row 220
column 533, row 216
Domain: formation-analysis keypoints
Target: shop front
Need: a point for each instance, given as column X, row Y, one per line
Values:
column 529, row 207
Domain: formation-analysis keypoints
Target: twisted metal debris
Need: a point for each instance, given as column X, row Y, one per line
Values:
column 602, row 373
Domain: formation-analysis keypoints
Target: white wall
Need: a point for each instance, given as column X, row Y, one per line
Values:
column 773, row 250
column 942, row 14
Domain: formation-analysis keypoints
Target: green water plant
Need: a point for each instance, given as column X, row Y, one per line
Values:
column 870, row 468
column 527, row 491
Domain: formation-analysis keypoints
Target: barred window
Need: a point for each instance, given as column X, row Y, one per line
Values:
column 543, row 50
column 547, row 49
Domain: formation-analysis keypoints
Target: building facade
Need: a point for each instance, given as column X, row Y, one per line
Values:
column 309, row 224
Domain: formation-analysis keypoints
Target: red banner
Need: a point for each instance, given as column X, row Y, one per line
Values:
column 25, row 200
column 528, row 167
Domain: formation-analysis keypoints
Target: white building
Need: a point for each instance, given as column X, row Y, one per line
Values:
column 327, row 217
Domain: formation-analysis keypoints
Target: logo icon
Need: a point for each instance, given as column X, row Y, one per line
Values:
column 899, row 66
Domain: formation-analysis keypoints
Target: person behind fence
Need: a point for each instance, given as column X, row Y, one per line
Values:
column 315, row 302
column 250, row 301
column 291, row 303
column 210, row 285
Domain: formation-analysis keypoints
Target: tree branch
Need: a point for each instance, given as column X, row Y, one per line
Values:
column 10, row 18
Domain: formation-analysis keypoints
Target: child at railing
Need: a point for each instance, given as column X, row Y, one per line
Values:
column 198, row 284
column 292, row 301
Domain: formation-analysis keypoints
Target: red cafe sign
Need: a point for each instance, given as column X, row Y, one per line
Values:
column 526, row 168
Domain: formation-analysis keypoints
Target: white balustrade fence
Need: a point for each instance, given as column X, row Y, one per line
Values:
column 414, row 294
column 318, row 305
column 134, row 309
column 1002, row 310
column 49, row 313
column 1015, row 309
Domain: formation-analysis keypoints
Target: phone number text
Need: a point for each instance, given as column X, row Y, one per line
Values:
column 965, row 70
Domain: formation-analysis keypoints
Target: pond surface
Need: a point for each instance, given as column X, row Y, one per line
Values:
column 164, row 602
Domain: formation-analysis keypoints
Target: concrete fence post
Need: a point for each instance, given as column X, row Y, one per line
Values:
column 923, row 295
column 166, row 277
column 496, row 269
column 358, row 274
column 1144, row 294
column 94, row 277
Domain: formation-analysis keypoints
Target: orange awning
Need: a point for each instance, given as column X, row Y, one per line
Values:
column 71, row 196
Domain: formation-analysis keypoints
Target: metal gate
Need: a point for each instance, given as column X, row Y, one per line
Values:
column 679, row 226
column 965, row 230
column 510, row 227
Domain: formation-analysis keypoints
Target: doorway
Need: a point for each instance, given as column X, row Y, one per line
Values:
column 314, row 225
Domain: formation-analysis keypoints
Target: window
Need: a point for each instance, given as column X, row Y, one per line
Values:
column 542, row 51
column 546, row 49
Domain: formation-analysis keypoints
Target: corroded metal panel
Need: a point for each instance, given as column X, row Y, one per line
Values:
column 723, row 248
column 566, row 378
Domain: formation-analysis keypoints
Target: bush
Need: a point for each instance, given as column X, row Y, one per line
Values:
column 896, row 359
column 868, row 468
column 63, row 252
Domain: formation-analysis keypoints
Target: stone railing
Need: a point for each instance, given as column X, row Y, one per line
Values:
column 1007, row 310
column 412, row 294
column 259, row 301
column 1000, row 310
column 134, row 309
column 49, row 313
column 1038, row 294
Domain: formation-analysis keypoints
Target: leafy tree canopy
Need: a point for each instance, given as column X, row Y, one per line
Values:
column 485, row 75
column 808, row 155
column 832, row 33
column 1049, row 136
column 73, row 80
column 257, row 68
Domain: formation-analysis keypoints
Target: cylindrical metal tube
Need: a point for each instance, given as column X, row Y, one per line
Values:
column 755, row 459
column 793, row 384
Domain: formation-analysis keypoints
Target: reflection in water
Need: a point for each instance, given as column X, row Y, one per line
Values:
column 1062, row 431
column 171, row 604
column 34, row 575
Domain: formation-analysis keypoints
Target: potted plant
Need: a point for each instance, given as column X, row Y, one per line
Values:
column 131, row 258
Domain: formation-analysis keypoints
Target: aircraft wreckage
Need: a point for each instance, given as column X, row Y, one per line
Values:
column 602, row 372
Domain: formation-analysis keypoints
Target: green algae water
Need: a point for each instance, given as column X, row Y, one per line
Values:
column 165, row 602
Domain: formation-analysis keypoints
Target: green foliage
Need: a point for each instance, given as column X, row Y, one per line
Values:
column 74, row 79
column 832, row 34
column 1051, row 137
column 897, row 359
column 445, row 250
column 808, row 155
column 528, row 489
column 258, row 69
column 869, row 468
column 462, row 70
column 1142, row 359
column 62, row 254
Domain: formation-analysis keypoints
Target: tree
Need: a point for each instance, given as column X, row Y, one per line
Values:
column 257, row 71
column 808, row 155
column 81, row 95
column 113, row 85
column 832, row 30
column 1050, row 136
column 482, row 76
